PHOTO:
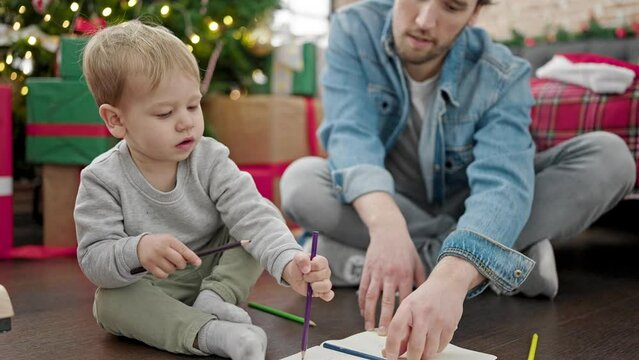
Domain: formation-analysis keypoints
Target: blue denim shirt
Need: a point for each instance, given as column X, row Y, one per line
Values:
column 482, row 141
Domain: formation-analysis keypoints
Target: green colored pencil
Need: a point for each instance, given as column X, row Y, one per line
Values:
column 280, row 313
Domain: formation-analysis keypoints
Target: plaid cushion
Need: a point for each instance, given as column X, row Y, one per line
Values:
column 562, row 111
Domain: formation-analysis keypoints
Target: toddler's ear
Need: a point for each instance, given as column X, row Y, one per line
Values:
column 112, row 120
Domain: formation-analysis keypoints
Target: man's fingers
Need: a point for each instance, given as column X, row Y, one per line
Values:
column 420, row 272
column 398, row 331
column 445, row 338
column 370, row 305
column 363, row 289
column 416, row 341
column 405, row 288
column 432, row 343
column 388, row 307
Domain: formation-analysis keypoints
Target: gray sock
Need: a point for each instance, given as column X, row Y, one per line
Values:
column 346, row 262
column 543, row 278
column 211, row 303
column 237, row 341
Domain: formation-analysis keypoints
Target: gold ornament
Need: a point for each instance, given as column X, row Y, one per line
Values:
column 258, row 40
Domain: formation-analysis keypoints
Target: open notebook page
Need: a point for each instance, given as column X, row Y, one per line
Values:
column 370, row 343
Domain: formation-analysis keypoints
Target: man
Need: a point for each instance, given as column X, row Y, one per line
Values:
column 432, row 171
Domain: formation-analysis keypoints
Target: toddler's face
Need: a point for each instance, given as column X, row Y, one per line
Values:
column 163, row 125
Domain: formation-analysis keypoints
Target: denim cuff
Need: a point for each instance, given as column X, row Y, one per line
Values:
column 355, row 181
column 502, row 266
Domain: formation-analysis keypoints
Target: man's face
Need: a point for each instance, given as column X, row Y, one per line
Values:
column 424, row 30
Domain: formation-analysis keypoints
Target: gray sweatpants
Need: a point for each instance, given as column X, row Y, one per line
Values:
column 575, row 183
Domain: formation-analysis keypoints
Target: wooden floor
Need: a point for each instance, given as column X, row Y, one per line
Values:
column 595, row 315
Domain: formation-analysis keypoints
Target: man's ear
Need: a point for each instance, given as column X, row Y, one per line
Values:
column 111, row 116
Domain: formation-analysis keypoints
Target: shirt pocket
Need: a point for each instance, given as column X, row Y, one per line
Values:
column 458, row 158
column 386, row 107
column 458, row 151
column 455, row 165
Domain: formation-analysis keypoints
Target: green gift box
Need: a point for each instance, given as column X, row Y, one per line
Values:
column 63, row 124
column 69, row 57
column 291, row 71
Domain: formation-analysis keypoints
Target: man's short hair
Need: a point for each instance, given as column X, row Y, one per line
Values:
column 116, row 53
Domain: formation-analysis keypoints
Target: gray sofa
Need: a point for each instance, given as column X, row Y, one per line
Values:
column 624, row 49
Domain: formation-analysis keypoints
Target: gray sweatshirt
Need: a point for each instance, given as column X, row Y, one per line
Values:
column 116, row 206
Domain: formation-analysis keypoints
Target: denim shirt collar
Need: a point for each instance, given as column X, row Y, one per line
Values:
column 449, row 78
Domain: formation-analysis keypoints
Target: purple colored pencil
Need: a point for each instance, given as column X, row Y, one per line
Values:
column 309, row 297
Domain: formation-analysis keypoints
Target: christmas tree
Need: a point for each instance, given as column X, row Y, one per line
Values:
column 30, row 34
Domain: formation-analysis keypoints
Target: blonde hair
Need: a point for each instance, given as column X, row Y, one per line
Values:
column 116, row 53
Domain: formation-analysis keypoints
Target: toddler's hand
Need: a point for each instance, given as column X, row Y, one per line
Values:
column 163, row 254
column 302, row 271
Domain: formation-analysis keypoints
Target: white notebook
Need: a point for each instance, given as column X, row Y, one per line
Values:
column 368, row 342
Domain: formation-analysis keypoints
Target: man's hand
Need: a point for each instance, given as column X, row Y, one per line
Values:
column 163, row 254
column 392, row 264
column 302, row 271
column 427, row 319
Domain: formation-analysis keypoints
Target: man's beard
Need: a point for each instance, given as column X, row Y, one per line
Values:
column 418, row 59
column 434, row 53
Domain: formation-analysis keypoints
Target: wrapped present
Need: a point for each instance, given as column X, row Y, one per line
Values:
column 292, row 70
column 563, row 111
column 69, row 57
column 267, row 179
column 6, row 172
column 265, row 129
column 60, row 185
column 63, row 124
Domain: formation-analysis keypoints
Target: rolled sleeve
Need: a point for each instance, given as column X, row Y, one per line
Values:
column 355, row 181
column 504, row 267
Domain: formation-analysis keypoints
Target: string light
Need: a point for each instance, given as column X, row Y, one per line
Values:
column 214, row 26
column 74, row 6
column 66, row 24
column 235, row 94
column 47, row 18
column 32, row 40
column 24, row 90
column 2, row 66
column 107, row 11
column 22, row 9
column 195, row 38
column 16, row 26
column 132, row 3
column 9, row 59
column 164, row 10
column 28, row 54
column 228, row 20
column 14, row 76
column 189, row 47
